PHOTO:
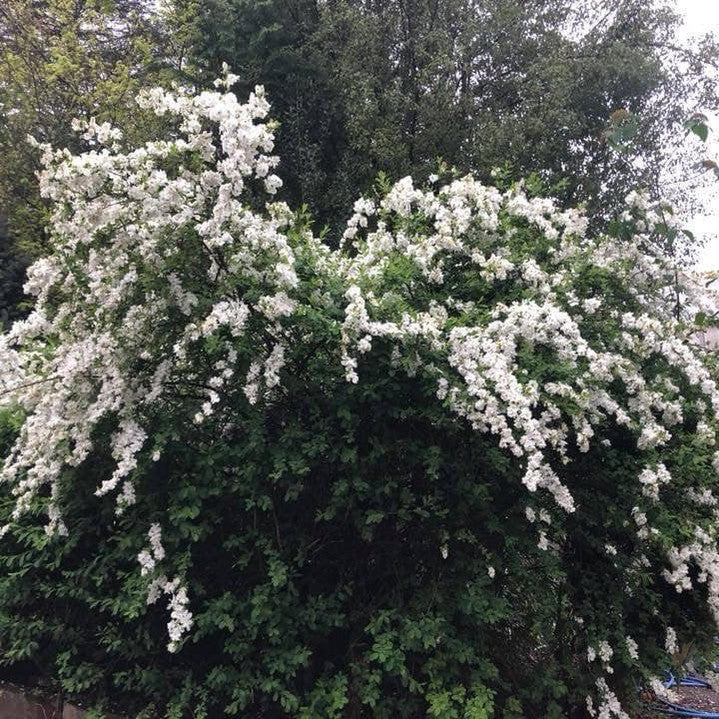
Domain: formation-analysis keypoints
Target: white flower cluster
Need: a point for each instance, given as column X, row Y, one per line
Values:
column 657, row 686
column 493, row 394
column 701, row 553
column 108, row 319
column 180, row 616
column 652, row 479
column 609, row 705
column 149, row 559
column 105, row 352
column 671, row 643
column 605, row 653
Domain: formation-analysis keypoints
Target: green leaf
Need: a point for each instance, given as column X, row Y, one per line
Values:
column 697, row 125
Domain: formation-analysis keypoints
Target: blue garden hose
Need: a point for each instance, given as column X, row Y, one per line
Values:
column 665, row 707
column 690, row 680
column 683, row 712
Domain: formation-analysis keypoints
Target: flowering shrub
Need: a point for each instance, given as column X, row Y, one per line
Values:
column 461, row 466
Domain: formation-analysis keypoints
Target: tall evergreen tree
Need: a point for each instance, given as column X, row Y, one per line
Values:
column 361, row 86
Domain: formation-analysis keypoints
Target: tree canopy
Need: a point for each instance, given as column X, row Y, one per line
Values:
column 361, row 87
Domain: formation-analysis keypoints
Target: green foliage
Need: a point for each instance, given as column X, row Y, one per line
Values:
column 698, row 125
column 13, row 264
column 60, row 60
column 622, row 130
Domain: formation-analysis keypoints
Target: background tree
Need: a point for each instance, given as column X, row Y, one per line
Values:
column 59, row 60
column 361, row 87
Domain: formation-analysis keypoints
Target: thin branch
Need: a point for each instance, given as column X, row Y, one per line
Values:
column 28, row 384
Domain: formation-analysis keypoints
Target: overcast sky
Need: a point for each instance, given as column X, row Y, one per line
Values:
column 702, row 16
